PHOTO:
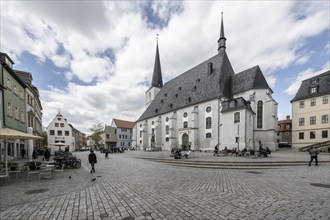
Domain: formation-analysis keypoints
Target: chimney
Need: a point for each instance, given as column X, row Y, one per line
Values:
column 288, row 117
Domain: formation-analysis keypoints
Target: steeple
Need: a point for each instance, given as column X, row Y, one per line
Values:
column 157, row 80
column 222, row 39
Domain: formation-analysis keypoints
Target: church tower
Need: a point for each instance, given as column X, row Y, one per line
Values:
column 157, row 80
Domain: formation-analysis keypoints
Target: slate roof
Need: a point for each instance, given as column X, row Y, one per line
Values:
column 124, row 124
column 157, row 79
column 196, row 85
column 322, row 84
column 249, row 79
column 235, row 104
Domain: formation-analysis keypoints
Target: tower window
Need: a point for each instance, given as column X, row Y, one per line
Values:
column 208, row 123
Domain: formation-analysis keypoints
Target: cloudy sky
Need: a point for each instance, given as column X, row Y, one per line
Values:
column 93, row 61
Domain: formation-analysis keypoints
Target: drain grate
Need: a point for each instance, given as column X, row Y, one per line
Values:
column 128, row 218
column 103, row 215
column 146, row 214
column 254, row 172
column 321, row 185
column 36, row 191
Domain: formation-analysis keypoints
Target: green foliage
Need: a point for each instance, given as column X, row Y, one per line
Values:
column 45, row 140
column 97, row 131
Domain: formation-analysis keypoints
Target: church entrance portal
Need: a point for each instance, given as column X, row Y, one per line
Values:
column 185, row 140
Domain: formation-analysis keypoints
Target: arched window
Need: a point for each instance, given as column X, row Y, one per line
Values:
column 208, row 109
column 167, row 119
column 208, row 123
column 208, row 135
column 236, row 117
column 167, row 129
column 259, row 114
column 185, row 124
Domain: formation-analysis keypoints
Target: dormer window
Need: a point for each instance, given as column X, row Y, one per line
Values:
column 170, row 105
column 165, row 94
column 194, row 88
column 314, row 81
column 176, row 95
column 179, row 88
column 198, row 80
column 313, row 90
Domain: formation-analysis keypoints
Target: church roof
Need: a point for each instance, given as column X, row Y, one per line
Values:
column 235, row 104
column 206, row 81
column 251, row 78
column 321, row 82
column 157, row 79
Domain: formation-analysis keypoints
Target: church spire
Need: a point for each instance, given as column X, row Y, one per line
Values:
column 157, row 80
column 222, row 39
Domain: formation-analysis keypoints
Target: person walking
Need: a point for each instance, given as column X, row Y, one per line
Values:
column 47, row 154
column 106, row 154
column 216, row 150
column 313, row 152
column 92, row 160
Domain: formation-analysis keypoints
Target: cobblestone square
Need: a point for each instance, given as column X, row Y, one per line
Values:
column 127, row 187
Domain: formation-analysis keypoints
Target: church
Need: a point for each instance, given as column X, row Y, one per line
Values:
column 208, row 105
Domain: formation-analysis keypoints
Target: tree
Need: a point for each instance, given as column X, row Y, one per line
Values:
column 45, row 140
column 97, row 132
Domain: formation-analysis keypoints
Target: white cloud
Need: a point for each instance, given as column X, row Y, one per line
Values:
column 308, row 73
column 77, row 34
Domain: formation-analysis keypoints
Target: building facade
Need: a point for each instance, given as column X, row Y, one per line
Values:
column 60, row 134
column 12, row 106
column 284, row 131
column 123, row 131
column 208, row 105
column 310, row 111
column 33, row 106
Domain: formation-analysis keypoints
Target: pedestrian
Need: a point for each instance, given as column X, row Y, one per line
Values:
column 216, row 150
column 313, row 152
column 92, row 160
column 47, row 154
column 34, row 154
column 106, row 154
column 22, row 153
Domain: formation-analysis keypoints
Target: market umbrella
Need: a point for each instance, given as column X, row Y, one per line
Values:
column 10, row 134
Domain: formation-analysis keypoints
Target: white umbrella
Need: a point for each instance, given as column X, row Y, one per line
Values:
column 10, row 134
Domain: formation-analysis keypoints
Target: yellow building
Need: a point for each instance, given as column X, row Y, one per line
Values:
column 310, row 112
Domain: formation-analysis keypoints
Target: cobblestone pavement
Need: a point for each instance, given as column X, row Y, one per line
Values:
column 128, row 187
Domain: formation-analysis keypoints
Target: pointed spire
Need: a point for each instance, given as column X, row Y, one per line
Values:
column 222, row 39
column 157, row 80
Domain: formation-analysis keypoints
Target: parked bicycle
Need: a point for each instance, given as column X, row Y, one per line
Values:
column 67, row 160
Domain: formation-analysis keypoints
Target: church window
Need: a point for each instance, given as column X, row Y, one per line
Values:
column 209, row 68
column 167, row 119
column 185, row 115
column 208, row 109
column 153, row 131
column 167, row 129
column 236, row 117
column 208, row 123
column 208, row 135
column 140, row 133
column 259, row 114
column 185, row 124
column 152, row 122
